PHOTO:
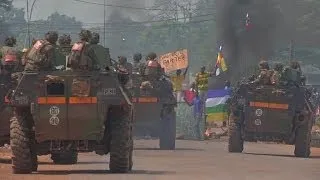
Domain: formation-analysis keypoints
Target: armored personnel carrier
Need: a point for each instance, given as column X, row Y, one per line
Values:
column 65, row 112
column 270, row 113
column 154, row 110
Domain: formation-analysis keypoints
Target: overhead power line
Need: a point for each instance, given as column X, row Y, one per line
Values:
column 114, row 30
column 114, row 23
column 130, row 7
column 120, row 6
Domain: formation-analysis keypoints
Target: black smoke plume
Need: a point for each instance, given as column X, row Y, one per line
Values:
column 244, row 48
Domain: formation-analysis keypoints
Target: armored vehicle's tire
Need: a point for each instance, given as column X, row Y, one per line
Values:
column 34, row 152
column 130, row 156
column 235, row 143
column 167, row 139
column 121, row 138
column 20, row 141
column 70, row 157
column 303, row 142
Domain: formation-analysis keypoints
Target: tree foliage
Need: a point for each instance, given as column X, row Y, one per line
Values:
column 194, row 25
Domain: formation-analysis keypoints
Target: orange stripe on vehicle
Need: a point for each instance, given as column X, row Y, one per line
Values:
column 82, row 100
column 147, row 100
column 51, row 100
column 269, row 105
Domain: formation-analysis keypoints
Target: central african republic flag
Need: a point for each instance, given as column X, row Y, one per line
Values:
column 216, row 106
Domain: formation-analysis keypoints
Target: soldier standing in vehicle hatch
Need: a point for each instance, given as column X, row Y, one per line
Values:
column 82, row 56
column 41, row 56
column 153, row 68
column 137, row 66
column 101, row 52
column 63, row 50
column 292, row 75
column 264, row 75
column 10, row 56
column 124, row 65
column 277, row 74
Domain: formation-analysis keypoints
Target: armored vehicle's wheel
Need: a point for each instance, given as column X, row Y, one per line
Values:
column 303, row 142
column 33, row 149
column 130, row 156
column 235, row 144
column 168, row 131
column 70, row 157
column 20, row 142
column 121, row 138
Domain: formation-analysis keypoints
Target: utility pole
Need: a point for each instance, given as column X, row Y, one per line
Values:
column 28, row 24
column 104, row 23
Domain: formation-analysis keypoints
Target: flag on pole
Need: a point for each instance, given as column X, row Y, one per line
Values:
column 220, row 64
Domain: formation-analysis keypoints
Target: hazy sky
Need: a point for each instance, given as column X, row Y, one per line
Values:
column 86, row 13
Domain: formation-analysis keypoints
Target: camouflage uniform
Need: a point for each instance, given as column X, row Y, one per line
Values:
column 101, row 52
column 125, row 70
column 277, row 74
column 10, row 63
column 82, row 55
column 292, row 75
column 153, row 69
column 264, row 75
column 63, row 50
column 41, row 56
column 137, row 65
column 10, row 56
column 124, row 65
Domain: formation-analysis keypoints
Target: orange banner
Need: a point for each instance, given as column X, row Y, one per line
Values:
column 174, row 61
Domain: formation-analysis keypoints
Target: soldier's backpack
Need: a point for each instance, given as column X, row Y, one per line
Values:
column 10, row 57
column 78, row 57
column 36, row 54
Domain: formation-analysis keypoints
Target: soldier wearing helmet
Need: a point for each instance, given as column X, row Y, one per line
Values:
column 292, row 75
column 137, row 65
column 82, row 56
column 277, row 74
column 264, row 77
column 101, row 52
column 41, row 56
column 124, row 64
column 153, row 68
column 10, row 56
column 63, row 50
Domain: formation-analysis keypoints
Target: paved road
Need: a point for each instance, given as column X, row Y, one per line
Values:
column 192, row 160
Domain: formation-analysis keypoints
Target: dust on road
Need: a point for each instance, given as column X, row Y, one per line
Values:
column 192, row 160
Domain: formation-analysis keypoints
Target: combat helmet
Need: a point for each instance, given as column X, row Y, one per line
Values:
column 294, row 65
column 278, row 67
column 264, row 65
column 65, row 39
column 95, row 39
column 85, row 35
column 137, row 57
column 122, row 59
column 10, row 41
column 52, row 37
column 152, row 56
